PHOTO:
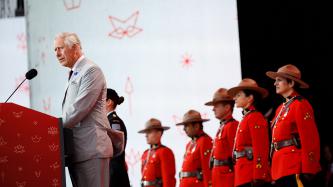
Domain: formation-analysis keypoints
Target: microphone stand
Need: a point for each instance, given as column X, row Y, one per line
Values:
column 15, row 90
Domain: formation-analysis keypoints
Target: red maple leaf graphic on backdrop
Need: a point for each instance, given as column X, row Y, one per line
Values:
column 122, row 28
column 22, row 40
column 132, row 157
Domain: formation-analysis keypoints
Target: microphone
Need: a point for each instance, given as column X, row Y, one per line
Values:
column 29, row 75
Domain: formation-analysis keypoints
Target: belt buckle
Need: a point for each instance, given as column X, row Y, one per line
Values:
column 275, row 146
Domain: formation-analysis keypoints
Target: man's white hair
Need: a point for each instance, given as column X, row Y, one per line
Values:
column 70, row 39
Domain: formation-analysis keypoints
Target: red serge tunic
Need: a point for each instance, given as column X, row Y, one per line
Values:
column 252, row 133
column 222, row 150
column 197, row 158
column 159, row 163
column 295, row 120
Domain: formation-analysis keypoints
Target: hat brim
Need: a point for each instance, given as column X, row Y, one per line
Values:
column 151, row 128
column 192, row 121
column 262, row 91
column 273, row 75
column 211, row 103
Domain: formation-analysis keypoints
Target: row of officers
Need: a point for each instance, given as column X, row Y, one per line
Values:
column 241, row 153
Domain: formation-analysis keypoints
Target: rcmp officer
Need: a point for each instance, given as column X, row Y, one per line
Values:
column 295, row 139
column 221, row 157
column 195, row 170
column 158, row 162
column 251, row 148
column 118, row 167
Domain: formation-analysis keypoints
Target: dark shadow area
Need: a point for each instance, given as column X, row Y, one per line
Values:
column 276, row 33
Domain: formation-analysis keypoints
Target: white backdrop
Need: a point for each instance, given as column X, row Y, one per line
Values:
column 164, row 57
column 14, row 61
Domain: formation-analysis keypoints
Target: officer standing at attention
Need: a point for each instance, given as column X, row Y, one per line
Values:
column 251, row 148
column 118, row 167
column 158, row 162
column 295, row 145
column 221, row 162
column 195, row 169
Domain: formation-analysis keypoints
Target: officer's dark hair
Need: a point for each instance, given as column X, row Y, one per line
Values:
column 231, row 103
column 256, row 96
column 296, row 86
column 113, row 95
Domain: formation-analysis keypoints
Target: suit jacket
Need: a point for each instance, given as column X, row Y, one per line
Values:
column 84, row 112
column 118, row 168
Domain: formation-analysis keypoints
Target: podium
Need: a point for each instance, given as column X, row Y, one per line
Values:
column 31, row 148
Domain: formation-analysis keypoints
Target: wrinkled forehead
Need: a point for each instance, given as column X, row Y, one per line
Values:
column 59, row 42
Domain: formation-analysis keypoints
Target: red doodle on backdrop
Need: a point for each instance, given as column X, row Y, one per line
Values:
column 47, row 104
column 129, row 90
column 22, row 41
column 187, row 61
column 24, row 87
column 42, row 48
column 176, row 119
column 127, row 27
column 132, row 158
column 72, row 4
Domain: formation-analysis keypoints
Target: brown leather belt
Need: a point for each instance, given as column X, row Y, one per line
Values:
column 282, row 144
column 217, row 162
column 156, row 183
column 186, row 174
column 247, row 152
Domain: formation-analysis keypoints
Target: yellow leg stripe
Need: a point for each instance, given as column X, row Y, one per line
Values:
column 298, row 180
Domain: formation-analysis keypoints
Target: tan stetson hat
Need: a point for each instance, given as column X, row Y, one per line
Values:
column 153, row 124
column 192, row 116
column 290, row 72
column 220, row 95
column 248, row 84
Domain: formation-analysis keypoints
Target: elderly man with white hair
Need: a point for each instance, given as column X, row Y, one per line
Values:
column 83, row 111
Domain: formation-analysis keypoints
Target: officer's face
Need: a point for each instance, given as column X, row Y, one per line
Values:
column 282, row 86
column 191, row 129
column 153, row 136
column 221, row 110
column 243, row 101
column 110, row 105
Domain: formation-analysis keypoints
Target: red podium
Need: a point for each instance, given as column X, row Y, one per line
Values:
column 31, row 148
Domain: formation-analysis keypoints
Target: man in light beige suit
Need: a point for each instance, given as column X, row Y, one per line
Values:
column 84, row 113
